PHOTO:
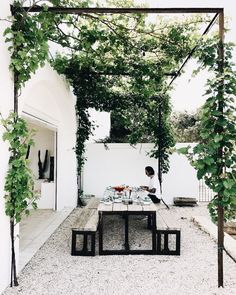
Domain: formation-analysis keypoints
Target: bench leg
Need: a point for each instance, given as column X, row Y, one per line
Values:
column 165, row 249
column 73, row 243
column 93, row 244
column 85, row 251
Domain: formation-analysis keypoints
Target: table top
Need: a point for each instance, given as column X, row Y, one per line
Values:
column 120, row 207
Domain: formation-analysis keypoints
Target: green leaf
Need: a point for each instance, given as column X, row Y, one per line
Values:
column 7, row 31
column 183, row 150
column 218, row 137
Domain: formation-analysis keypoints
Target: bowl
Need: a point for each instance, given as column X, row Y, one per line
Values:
column 118, row 188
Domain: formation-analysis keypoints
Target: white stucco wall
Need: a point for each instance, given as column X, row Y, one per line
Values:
column 181, row 179
column 123, row 164
column 120, row 164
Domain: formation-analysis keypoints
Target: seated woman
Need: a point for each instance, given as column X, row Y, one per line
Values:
column 153, row 185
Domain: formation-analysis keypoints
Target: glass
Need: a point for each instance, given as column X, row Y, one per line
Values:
column 134, row 193
column 108, row 194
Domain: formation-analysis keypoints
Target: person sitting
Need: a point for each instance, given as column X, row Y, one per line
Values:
column 152, row 188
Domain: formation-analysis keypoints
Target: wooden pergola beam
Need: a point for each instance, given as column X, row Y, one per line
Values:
column 80, row 10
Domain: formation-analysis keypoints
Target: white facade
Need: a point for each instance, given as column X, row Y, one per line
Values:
column 124, row 164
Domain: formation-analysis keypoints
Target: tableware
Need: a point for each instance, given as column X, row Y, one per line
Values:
column 119, row 188
column 117, row 200
column 107, row 203
column 147, row 202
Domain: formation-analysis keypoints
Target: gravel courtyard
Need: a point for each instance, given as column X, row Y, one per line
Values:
column 54, row 271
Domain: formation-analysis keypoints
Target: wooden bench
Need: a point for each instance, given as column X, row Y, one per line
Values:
column 164, row 232
column 93, row 203
column 86, row 225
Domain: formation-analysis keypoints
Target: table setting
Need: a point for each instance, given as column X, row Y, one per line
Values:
column 126, row 195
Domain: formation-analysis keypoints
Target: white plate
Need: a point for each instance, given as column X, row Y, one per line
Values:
column 117, row 200
column 107, row 203
column 147, row 202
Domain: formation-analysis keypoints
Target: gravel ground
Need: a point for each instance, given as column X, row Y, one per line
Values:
column 54, row 271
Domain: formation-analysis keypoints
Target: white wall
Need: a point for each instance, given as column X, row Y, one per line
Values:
column 181, row 179
column 123, row 164
column 6, row 104
column 120, row 164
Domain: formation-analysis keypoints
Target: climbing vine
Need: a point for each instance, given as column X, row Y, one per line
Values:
column 19, row 180
column 28, row 42
column 217, row 131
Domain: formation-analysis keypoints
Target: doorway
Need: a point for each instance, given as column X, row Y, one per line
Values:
column 42, row 161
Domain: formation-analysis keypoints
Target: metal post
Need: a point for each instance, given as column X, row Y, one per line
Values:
column 127, row 232
column 15, row 93
column 220, row 153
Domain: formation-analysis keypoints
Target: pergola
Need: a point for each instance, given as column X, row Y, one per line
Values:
column 219, row 12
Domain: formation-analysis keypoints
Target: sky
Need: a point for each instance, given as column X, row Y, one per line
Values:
column 188, row 92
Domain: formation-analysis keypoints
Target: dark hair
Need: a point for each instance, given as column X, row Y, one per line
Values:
column 150, row 170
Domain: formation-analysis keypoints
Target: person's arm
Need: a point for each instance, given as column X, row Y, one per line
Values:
column 144, row 187
column 151, row 190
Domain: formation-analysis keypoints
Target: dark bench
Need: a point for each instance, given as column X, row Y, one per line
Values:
column 168, row 238
column 86, row 226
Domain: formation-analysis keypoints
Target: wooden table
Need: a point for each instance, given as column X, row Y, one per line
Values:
column 126, row 211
